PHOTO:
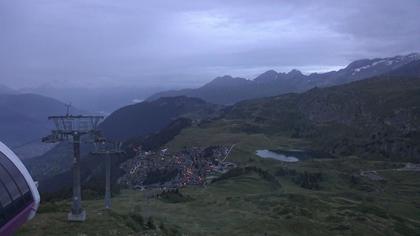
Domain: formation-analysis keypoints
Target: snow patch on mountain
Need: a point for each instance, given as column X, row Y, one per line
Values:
column 388, row 62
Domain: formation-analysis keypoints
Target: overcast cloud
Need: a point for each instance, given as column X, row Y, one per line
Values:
column 188, row 42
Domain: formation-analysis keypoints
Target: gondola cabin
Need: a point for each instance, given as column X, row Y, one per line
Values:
column 19, row 197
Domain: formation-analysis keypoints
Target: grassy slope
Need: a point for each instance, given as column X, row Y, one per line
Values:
column 249, row 205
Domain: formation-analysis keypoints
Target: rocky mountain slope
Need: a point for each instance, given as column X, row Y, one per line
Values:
column 229, row 90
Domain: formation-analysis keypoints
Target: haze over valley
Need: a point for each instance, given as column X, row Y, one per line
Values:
column 211, row 117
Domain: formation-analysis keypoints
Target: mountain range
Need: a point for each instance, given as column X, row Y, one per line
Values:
column 377, row 117
column 376, row 113
column 229, row 90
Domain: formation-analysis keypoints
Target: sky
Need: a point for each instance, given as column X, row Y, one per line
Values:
column 185, row 43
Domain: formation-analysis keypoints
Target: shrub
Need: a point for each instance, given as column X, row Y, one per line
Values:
column 150, row 223
column 308, row 180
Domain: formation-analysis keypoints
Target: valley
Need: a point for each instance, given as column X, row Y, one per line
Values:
column 348, row 166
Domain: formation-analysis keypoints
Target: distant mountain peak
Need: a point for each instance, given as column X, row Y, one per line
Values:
column 225, row 80
column 221, row 78
column 225, row 77
column 295, row 72
column 267, row 76
column 269, row 73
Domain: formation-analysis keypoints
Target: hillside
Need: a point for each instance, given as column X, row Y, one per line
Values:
column 229, row 90
column 149, row 117
column 411, row 69
column 374, row 117
column 24, row 120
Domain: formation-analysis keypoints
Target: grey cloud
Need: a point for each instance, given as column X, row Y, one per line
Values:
column 104, row 42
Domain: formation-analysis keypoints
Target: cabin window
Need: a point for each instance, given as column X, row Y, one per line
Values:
column 5, row 200
column 15, row 174
column 9, row 183
column 14, row 191
column 2, row 218
column 4, row 195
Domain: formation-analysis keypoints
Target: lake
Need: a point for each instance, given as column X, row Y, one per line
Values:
column 277, row 156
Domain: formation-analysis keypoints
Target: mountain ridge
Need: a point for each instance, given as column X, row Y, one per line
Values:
column 148, row 117
column 229, row 90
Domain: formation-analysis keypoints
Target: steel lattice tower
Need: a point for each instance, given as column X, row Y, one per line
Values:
column 74, row 127
column 107, row 149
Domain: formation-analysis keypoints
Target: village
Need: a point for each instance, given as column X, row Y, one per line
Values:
column 166, row 170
